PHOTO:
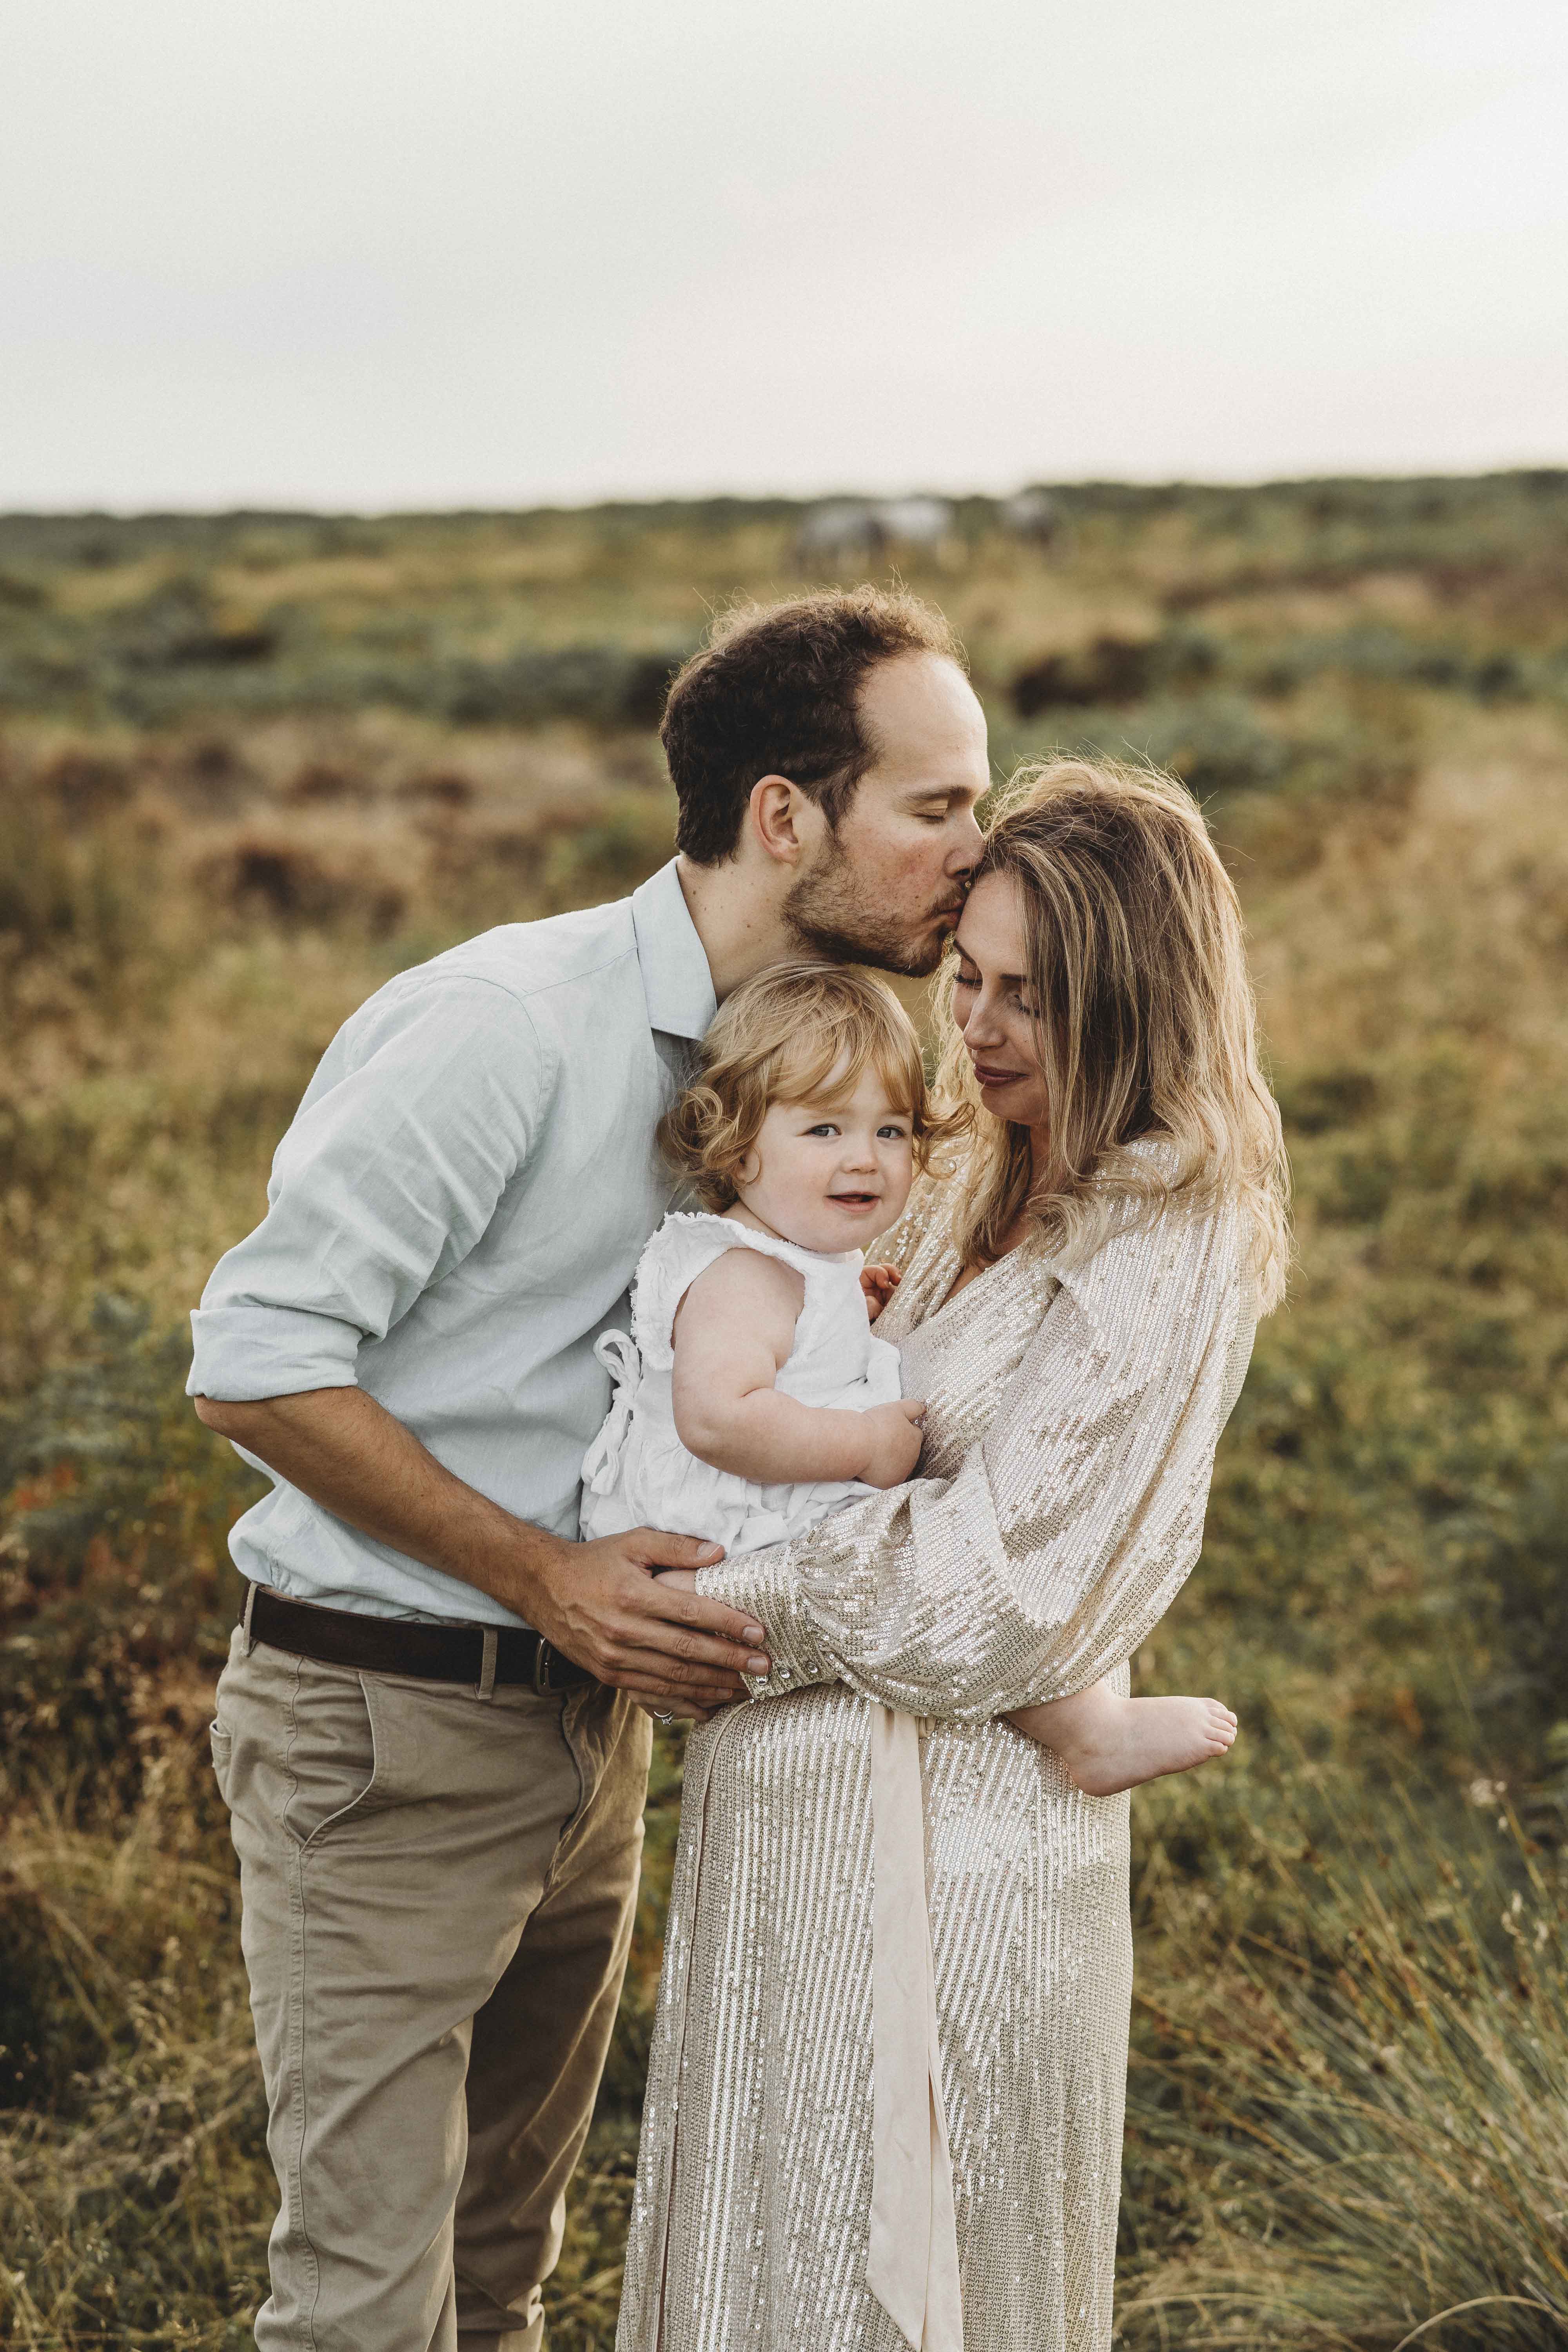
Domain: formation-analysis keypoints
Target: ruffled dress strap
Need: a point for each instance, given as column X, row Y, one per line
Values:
column 685, row 1245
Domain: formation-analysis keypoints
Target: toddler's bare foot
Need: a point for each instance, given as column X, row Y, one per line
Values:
column 1123, row 1741
column 1108, row 1743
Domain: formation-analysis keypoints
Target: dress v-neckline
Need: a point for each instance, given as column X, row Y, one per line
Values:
column 957, row 1289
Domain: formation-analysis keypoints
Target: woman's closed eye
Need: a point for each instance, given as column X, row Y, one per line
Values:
column 966, row 978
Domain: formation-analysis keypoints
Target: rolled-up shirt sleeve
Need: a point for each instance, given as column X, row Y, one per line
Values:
column 417, row 1119
column 1048, row 1558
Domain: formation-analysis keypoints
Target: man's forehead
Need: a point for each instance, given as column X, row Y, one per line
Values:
column 924, row 716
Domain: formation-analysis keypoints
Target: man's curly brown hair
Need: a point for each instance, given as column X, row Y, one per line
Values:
column 775, row 692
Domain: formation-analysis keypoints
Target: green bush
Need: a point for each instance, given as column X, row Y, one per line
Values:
column 116, row 1593
column 1220, row 744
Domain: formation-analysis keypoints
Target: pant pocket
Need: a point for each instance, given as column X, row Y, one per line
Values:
column 333, row 1770
column 221, row 1740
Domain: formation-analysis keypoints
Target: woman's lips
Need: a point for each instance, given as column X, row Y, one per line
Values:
column 995, row 1077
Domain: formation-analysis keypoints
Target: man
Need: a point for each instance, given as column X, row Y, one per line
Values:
column 430, row 1732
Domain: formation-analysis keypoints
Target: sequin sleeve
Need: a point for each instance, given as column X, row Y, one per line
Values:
column 1069, row 1528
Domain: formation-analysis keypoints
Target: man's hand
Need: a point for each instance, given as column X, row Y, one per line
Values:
column 653, row 1636
column 600, row 1603
column 878, row 1283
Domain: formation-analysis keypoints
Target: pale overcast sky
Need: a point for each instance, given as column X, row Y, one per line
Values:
column 386, row 253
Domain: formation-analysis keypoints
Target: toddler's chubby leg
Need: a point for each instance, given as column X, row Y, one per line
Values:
column 1108, row 1743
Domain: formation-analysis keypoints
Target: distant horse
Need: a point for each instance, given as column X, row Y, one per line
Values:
column 1033, row 514
column 845, row 531
column 861, row 532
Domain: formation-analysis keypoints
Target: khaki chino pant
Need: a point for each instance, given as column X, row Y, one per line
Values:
column 437, row 1895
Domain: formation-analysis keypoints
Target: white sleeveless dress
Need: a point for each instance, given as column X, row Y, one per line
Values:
column 637, row 1474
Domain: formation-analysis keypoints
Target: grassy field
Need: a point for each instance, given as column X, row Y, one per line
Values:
column 252, row 765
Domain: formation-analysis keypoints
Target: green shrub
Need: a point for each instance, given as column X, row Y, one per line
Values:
column 116, row 1593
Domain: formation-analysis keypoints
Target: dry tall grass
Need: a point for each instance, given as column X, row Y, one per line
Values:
column 1366, row 2107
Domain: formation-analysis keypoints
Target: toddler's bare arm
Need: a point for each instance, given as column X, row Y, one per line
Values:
column 732, row 1336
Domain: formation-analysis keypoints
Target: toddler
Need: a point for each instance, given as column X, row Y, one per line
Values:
column 753, row 1397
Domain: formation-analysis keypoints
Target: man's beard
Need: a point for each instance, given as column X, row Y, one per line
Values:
column 831, row 922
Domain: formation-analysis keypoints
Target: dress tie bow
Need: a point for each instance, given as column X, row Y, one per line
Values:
column 617, row 1351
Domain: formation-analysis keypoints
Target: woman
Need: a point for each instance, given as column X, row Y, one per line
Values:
column 1078, row 1310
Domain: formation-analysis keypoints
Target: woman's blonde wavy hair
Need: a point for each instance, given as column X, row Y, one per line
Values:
column 796, row 1033
column 1146, row 1025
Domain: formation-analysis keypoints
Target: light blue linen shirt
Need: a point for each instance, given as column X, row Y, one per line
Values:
column 454, row 1217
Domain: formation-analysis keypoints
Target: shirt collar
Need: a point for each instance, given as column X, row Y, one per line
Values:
column 675, row 979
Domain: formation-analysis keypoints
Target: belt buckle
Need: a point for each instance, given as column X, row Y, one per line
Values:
column 542, row 1657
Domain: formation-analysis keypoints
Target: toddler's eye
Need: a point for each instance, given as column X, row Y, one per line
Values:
column 893, row 1134
column 827, row 1128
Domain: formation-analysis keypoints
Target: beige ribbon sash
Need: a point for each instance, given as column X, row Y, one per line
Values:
column 912, row 2266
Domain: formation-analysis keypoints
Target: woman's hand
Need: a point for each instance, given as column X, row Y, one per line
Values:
column 878, row 1283
column 682, row 1580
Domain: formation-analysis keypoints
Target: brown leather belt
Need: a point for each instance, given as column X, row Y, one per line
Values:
column 397, row 1645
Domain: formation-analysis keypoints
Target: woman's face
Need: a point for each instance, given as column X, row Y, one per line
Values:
column 994, row 1004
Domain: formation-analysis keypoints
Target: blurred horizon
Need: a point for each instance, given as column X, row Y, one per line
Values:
column 803, row 500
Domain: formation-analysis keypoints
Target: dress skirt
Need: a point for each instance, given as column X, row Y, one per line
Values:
column 750, row 2225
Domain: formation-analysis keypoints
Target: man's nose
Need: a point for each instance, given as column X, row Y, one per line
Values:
column 965, row 854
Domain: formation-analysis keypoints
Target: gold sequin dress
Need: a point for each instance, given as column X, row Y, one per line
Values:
column 1069, row 1441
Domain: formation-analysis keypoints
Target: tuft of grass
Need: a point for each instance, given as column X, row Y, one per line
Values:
column 1352, row 2121
column 135, row 2194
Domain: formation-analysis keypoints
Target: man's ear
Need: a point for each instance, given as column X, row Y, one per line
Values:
column 785, row 820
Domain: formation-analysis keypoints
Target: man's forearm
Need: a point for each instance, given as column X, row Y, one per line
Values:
column 354, row 1457
column 600, row 1603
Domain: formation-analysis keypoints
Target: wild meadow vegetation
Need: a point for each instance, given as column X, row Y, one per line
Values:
column 252, row 765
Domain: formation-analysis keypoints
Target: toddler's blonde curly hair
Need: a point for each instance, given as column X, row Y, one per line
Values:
column 792, row 1033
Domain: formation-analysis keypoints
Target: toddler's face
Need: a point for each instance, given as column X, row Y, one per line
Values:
column 833, row 1172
